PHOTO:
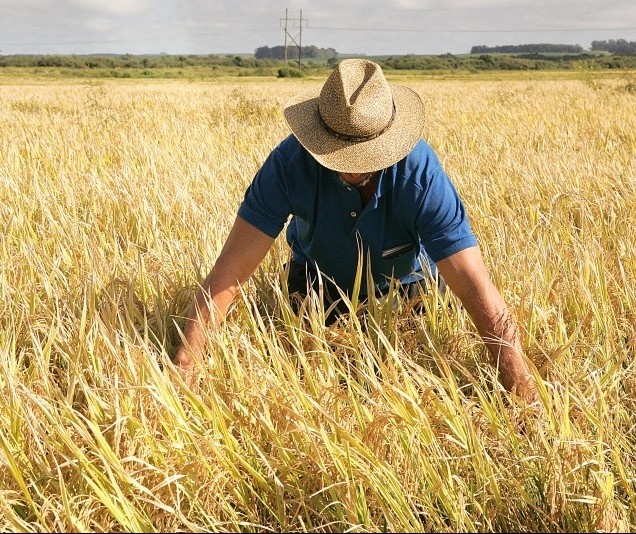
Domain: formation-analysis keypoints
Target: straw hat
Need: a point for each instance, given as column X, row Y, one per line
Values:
column 357, row 122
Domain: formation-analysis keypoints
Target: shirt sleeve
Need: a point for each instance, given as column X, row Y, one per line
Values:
column 266, row 204
column 443, row 225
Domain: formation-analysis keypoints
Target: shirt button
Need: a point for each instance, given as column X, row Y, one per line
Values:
column 353, row 214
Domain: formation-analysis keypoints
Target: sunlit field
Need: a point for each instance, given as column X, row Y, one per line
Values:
column 115, row 200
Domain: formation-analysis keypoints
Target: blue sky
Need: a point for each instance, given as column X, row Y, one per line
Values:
column 357, row 26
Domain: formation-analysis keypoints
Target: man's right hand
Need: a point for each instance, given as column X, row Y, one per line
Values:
column 183, row 360
column 242, row 253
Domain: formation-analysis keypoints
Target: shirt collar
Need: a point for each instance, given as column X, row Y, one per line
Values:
column 384, row 181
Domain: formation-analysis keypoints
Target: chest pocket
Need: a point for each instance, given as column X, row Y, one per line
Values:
column 397, row 261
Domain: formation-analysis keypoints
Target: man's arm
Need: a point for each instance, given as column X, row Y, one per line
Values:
column 466, row 274
column 244, row 250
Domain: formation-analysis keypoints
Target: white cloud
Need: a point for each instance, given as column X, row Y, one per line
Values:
column 113, row 7
column 99, row 24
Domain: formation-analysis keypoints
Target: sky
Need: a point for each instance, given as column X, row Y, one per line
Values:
column 371, row 27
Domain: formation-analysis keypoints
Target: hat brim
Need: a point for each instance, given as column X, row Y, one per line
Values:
column 301, row 113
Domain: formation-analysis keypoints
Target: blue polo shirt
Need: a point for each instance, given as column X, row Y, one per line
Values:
column 414, row 219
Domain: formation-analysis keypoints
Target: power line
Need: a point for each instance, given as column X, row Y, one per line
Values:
column 133, row 41
column 436, row 30
column 516, row 7
column 58, row 43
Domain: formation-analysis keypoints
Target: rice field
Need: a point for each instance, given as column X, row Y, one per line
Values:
column 115, row 200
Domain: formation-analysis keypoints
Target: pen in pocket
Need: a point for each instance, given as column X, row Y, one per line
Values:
column 394, row 252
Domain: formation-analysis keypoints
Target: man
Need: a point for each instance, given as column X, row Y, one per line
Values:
column 359, row 183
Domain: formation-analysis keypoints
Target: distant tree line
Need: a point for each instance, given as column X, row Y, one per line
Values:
column 543, row 48
column 128, row 65
column 307, row 52
column 508, row 62
column 620, row 47
column 129, row 61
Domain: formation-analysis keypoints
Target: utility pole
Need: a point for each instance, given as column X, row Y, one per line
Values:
column 300, row 39
column 286, row 36
column 298, row 36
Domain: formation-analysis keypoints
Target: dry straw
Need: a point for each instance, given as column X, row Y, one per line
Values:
column 115, row 200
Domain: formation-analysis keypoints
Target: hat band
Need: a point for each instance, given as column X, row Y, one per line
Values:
column 356, row 138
